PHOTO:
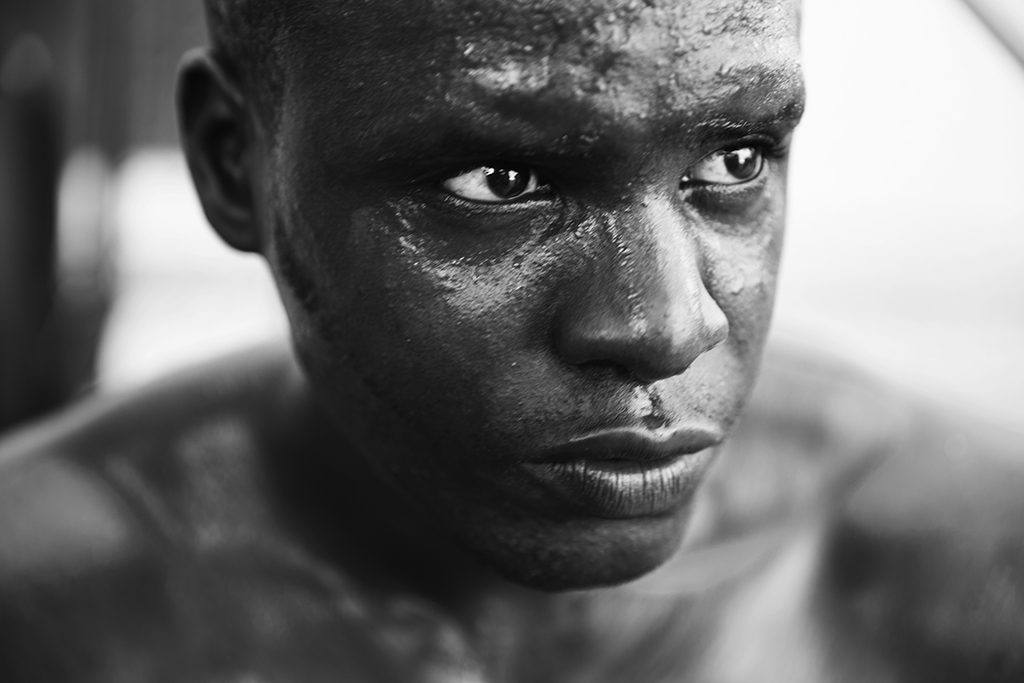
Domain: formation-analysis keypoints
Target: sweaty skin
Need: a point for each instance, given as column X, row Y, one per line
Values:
column 456, row 343
column 528, row 252
column 171, row 535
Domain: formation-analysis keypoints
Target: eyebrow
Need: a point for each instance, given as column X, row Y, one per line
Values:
column 779, row 114
column 764, row 95
column 524, row 127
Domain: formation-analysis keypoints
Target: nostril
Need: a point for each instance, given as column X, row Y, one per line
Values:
column 651, row 323
column 716, row 323
column 643, row 352
column 608, row 369
column 665, row 360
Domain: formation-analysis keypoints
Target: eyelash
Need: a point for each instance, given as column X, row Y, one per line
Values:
column 771, row 149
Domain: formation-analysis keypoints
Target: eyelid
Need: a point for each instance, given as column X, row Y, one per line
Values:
column 767, row 144
column 719, row 134
column 770, row 143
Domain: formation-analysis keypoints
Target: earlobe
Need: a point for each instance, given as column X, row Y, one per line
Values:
column 218, row 144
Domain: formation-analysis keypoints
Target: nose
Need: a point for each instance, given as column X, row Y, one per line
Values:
column 642, row 304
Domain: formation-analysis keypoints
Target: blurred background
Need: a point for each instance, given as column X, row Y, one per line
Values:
column 905, row 250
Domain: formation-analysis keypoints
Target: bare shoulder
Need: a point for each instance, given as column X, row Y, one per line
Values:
column 928, row 551
column 136, row 543
column 813, row 427
column 112, row 467
column 909, row 562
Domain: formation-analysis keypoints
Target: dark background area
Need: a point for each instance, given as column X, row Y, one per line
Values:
column 95, row 75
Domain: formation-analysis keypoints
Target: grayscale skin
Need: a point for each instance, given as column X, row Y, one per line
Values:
column 462, row 345
column 177, row 534
column 528, row 253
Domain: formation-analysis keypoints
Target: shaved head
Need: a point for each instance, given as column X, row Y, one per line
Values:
column 504, row 229
column 245, row 36
column 251, row 37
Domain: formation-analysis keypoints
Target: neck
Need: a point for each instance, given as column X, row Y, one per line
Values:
column 346, row 515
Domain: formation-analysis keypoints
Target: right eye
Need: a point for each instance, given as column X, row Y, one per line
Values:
column 495, row 184
column 727, row 167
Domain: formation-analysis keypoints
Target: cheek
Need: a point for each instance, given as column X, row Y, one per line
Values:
column 741, row 274
column 747, row 289
column 430, row 336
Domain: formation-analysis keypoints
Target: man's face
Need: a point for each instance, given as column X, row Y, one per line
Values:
column 528, row 251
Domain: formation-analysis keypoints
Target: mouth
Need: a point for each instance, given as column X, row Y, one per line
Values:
column 626, row 473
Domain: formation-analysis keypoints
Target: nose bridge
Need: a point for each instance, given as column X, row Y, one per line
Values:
column 662, row 270
column 644, row 306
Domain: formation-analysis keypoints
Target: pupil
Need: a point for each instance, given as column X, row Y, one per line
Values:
column 506, row 182
column 743, row 164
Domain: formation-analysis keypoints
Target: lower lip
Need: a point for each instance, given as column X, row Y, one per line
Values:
column 621, row 489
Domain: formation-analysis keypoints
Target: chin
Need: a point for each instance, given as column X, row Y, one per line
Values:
column 583, row 554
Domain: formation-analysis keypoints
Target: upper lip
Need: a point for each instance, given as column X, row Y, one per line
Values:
column 641, row 445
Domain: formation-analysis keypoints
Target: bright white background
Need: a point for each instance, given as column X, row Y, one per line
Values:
column 905, row 250
column 906, row 236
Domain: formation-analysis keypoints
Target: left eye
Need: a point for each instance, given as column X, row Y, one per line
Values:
column 495, row 184
column 727, row 167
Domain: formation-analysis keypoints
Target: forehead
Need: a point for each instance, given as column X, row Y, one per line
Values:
column 383, row 64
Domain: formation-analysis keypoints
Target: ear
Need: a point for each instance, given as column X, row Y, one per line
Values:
column 218, row 141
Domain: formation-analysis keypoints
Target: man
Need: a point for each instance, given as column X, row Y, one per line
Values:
column 528, row 252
